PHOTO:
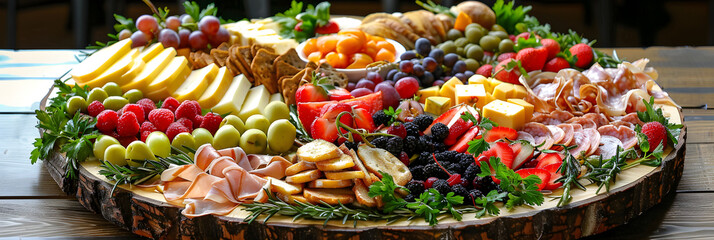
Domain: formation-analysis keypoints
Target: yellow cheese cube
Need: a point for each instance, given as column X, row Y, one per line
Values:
column 505, row 114
column 99, row 61
column 255, row 102
column 479, row 79
column 493, row 83
column 437, row 105
column 471, row 94
column 152, row 69
column 196, row 83
column 526, row 105
column 503, row 91
column 151, row 51
column 448, row 89
column 169, row 79
column 519, row 91
column 217, row 89
column 427, row 92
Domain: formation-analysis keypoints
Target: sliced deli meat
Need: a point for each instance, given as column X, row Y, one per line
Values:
column 626, row 135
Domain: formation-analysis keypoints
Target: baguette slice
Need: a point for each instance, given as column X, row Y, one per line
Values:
column 362, row 194
column 291, row 198
column 329, row 183
column 318, row 150
column 304, row 177
column 298, row 167
column 379, row 160
column 329, row 196
column 367, row 180
column 342, row 162
column 344, row 175
column 280, row 186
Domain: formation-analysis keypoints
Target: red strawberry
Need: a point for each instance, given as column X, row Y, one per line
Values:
column 554, row 175
column 463, row 144
column 485, row 70
column 170, row 103
column 309, row 111
column 127, row 125
column 456, row 130
column 331, row 111
column 363, row 119
column 398, row 130
column 330, row 27
column 372, row 102
column 524, row 35
column 532, row 58
column 174, row 129
column 95, row 108
column 429, row 182
column 485, row 156
column 497, row 133
column 161, row 118
column 451, row 116
column 338, row 94
column 540, row 173
column 505, row 56
column 324, row 126
column 136, row 109
column 147, row 104
column 504, row 152
column 551, row 45
column 556, row 64
column 311, row 93
column 211, row 122
column 107, row 120
column 546, row 159
column 502, row 74
column 656, row 134
column 186, row 110
column 584, row 53
column 148, row 126
column 186, row 123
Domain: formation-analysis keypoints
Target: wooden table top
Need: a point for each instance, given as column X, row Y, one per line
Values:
column 32, row 205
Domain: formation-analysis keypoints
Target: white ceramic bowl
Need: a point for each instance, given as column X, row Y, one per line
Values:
column 356, row 74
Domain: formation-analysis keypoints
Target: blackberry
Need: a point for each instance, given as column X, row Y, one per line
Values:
column 417, row 172
column 410, row 197
column 379, row 118
column 394, row 146
column 485, row 184
column 439, row 147
column 351, row 145
column 460, row 190
column 423, row 121
column 423, row 159
column 439, row 132
column 455, row 168
column 447, row 156
column 466, row 160
column 411, row 145
column 474, row 194
column 380, row 142
column 442, row 186
column 471, row 172
column 433, row 170
column 415, row 187
column 412, row 129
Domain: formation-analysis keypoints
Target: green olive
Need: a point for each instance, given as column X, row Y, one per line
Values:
column 112, row 89
column 475, row 52
column 461, row 42
column 115, row 103
column 448, row 47
column 76, row 104
column 499, row 34
column 460, row 51
column 474, row 35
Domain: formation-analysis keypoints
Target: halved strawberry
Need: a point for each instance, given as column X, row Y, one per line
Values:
column 451, row 116
column 310, row 93
column 463, row 144
column 363, row 119
column 497, row 133
column 339, row 94
column 324, row 129
column 523, row 152
column 554, row 175
column 331, row 111
column 456, row 130
column 504, row 75
column 540, row 173
column 372, row 102
column 309, row 111
column 504, row 152
column 546, row 159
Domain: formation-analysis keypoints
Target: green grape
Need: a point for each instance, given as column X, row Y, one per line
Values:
column 101, row 145
column 489, row 42
column 475, row 52
column 460, row 51
column 115, row 154
column 281, row 135
column 453, row 34
column 115, row 103
column 499, row 34
column 159, row 144
column 254, row 141
column 133, row 95
column 112, row 89
column 473, row 35
column 448, row 47
column 97, row 94
column 276, row 110
column 461, row 42
column 184, row 139
column 474, row 26
column 138, row 150
column 471, row 65
column 235, row 121
column 506, row 45
column 257, row 121
column 202, row 136
column 226, row 137
column 497, row 27
column 75, row 104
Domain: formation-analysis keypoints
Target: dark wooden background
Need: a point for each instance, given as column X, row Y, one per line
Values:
column 32, row 205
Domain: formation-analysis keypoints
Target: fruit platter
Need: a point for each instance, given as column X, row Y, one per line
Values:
column 470, row 122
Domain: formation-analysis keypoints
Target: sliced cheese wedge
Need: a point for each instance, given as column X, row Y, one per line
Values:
column 276, row 97
column 151, row 51
column 233, row 98
column 99, row 61
column 113, row 73
column 255, row 102
column 152, row 69
column 217, row 89
column 169, row 79
column 196, row 83
column 135, row 69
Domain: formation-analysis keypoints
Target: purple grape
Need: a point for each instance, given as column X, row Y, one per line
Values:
column 358, row 92
column 460, row 76
column 399, row 75
column 408, row 55
column 450, row 59
column 139, row 39
column 390, row 82
column 438, row 83
column 198, row 40
column 169, row 38
column 183, row 37
column 468, row 74
column 437, row 54
column 427, row 80
column 350, row 86
column 422, row 46
column 429, row 64
column 459, row 67
column 418, row 70
column 364, row 83
column 390, row 96
column 374, row 77
column 391, row 73
column 406, row 66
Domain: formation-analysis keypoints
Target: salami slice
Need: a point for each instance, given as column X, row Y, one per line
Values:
column 583, row 144
column 626, row 135
column 541, row 134
column 558, row 133
column 525, row 136
column 618, row 123
column 568, row 132
column 554, row 118
column 594, row 136
column 608, row 146
column 585, row 122
column 598, row 118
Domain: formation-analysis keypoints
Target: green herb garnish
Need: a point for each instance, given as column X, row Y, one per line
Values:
column 521, row 191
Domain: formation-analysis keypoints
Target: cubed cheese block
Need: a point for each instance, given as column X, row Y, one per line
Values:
column 196, row 83
column 471, row 94
column 217, row 89
column 526, row 105
column 100, row 61
column 519, row 91
column 503, row 91
column 114, row 72
column 234, row 97
column 437, row 105
column 151, row 70
column 479, row 79
column 254, row 103
column 505, row 114
column 151, row 51
column 276, row 97
column 492, row 83
column 169, row 79
column 449, row 89
column 427, row 92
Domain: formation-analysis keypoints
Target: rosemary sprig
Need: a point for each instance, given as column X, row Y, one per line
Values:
column 140, row 174
column 570, row 171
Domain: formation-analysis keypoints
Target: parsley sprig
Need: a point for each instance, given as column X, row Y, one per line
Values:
column 312, row 18
column 479, row 145
column 655, row 115
column 521, row 191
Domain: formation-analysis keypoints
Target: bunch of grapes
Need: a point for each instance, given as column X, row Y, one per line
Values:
column 430, row 65
column 177, row 32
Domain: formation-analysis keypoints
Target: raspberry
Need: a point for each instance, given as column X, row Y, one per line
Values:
column 112, row 134
column 125, row 141
column 147, row 104
column 174, row 129
column 95, row 108
column 148, row 126
column 197, row 121
column 197, row 106
column 144, row 135
column 211, row 122
column 170, row 104
column 136, row 109
column 186, row 110
column 161, row 118
column 127, row 125
column 186, row 123
column 107, row 120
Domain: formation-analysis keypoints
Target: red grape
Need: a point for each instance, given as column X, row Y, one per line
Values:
column 350, row 86
column 183, row 37
column 407, row 87
column 360, row 92
column 374, row 77
column 209, row 25
column 147, row 24
column 139, row 39
column 169, row 38
column 364, row 83
column 124, row 34
column 390, row 96
column 222, row 36
column 198, row 40
column 173, row 23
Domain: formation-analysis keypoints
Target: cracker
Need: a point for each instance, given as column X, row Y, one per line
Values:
column 263, row 70
column 244, row 56
column 256, row 47
column 337, row 78
column 219, row 56
column 284, row 69
column 238, row 62
column 291, row 57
